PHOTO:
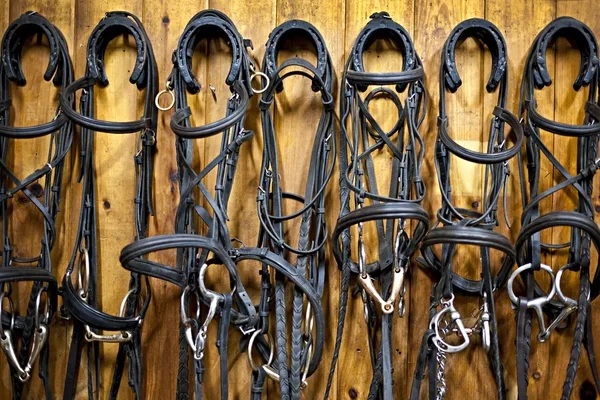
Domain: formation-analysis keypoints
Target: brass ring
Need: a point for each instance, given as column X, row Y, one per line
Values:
column 170, row 92
column 262, row 75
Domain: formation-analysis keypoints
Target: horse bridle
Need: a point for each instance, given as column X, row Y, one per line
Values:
column 313, row 229
column 32, row 328
column 584, row 231
column 358, row 181
column 457, row 226
column 80, row 285
column 209, row 243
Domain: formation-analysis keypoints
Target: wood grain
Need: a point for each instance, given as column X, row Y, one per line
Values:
column 296, row 110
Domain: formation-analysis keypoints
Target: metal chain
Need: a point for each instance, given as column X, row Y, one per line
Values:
column 441, row 374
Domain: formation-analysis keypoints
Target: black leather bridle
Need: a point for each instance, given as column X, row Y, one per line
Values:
column 313, row 229
column 584, row 232
column 202, row 236
column 79, row 286
column 358, row 183
column 456, row 226
column 32, row 328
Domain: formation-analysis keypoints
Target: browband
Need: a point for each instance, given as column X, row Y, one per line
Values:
column 383, row 26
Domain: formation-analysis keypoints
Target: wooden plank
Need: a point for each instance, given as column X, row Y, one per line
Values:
column 336, row 19
column 466, row 124
column 509, row 15
column 34, row 104
column 296, row 113
column 354, row 356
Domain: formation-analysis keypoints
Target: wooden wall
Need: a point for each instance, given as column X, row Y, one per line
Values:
column 429, row 23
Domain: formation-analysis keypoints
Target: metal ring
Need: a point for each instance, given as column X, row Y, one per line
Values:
column 525, row 267
column 170, row 92
column 124, row 302
column 186, row 291
column 3, row 296
column 262, row 75
column 38, row 300
column 204, row 291
column 564, row 299
column 84, row 259
column 251, row 344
